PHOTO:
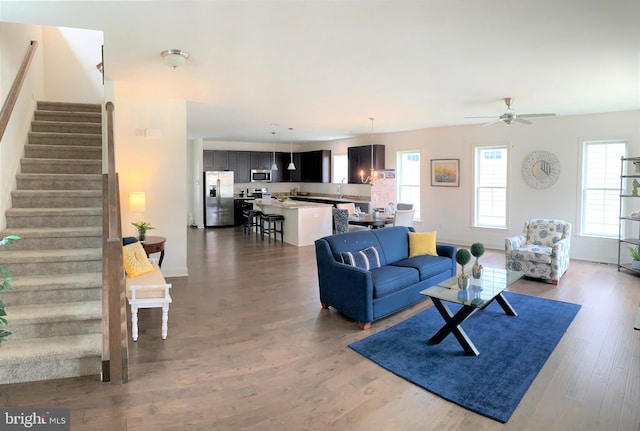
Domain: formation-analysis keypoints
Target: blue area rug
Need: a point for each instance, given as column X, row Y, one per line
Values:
column 512, row 352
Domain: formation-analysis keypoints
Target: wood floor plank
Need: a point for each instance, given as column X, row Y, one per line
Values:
column 249, row 348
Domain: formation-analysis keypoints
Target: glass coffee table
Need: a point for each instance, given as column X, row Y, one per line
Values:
column 480, row 293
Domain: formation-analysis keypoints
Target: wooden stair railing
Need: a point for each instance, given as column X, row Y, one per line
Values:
column 115, row 350
column 14, row 92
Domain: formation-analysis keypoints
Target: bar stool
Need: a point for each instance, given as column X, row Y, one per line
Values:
column 271, row 226
column 251, row 220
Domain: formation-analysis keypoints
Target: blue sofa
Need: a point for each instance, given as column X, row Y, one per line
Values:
column 368, row 295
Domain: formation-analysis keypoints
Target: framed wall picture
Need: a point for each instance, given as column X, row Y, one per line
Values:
column 445, row 172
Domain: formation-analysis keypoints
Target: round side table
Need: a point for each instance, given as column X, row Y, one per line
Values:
column 154, row 244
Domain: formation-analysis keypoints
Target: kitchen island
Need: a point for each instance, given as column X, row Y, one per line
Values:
column 304, row 222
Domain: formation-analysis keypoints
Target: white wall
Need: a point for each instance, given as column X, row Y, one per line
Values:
column 70, row 59
column 450, row 210
column 156, row 166
column 15, row 40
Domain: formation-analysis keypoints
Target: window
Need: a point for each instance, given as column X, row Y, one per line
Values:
column 490, row 206
column 408, row 179
column 600, row 204
column 340, row 168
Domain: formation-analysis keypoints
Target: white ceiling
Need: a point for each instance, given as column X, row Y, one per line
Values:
column 325, row 67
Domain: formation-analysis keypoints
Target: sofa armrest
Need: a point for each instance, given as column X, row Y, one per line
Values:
column 448, row 250
column 514, row 242
column 344, row 287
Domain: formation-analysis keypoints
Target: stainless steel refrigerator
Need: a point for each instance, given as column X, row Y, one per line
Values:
column 218, row 198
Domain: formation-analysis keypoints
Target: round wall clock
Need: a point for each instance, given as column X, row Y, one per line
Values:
column 541, row 169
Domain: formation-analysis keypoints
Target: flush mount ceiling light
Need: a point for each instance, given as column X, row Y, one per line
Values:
column 174, row 57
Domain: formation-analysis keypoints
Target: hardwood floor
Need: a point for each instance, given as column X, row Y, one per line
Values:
column 249, row 348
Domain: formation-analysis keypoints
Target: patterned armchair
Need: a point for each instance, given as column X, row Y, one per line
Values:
column 542, row 251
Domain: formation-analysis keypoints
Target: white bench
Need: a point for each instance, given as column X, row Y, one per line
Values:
column 149, row 290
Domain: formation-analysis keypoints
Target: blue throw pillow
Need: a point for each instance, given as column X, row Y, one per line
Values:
column 129, row 240
column 366, row 259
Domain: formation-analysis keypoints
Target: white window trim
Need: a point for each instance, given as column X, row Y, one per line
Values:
column 474, row 148
column 578, row 231
column 399, row 154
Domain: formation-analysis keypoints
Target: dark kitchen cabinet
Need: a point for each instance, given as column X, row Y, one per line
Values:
column 315, row 166
column 215, row 160
column 292, row 176
column 282, row 161
column 261, row 160
column 359, row 160
column 240, row 164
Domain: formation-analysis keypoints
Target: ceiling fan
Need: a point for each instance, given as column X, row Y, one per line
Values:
column 510, row 115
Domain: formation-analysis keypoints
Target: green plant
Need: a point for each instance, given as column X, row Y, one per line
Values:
column 635, row 253
column 477, row 250
column 463, row 257
column 5, row 283
column 142, row 226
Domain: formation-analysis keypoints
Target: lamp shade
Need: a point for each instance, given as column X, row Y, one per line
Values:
column 137, row 202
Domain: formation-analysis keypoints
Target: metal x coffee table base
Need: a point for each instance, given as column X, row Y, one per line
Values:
column 453, row 322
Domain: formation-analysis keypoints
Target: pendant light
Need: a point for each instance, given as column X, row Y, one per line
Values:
column 274, row 167
column 291, row 166
column 373, row 174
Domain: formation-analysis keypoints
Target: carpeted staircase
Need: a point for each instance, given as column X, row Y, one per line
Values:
column 54, row 307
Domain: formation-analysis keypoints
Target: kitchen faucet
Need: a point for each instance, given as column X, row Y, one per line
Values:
column 339, row 191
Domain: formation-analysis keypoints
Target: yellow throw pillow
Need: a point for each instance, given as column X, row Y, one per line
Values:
column 422, row 243
column 135, row 260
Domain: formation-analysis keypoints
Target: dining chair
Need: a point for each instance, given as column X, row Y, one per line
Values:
column 340, row 220
column 351, row 210
column 403, row 218
column 401, row 206
column 350, row 207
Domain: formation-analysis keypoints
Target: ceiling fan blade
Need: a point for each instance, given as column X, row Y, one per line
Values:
column 520, row 120
column 499, row 120
column 535, row 115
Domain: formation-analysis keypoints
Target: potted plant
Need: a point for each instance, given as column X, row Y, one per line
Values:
column 477, row 250
column 635, row 257
column 143, row 227
column 463, row 257
column 5, row 283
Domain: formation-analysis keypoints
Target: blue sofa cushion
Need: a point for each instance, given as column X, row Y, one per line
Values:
column 427, row 265
column 394, row 241
column 354, row 241
column 366, row 259
column 389, row 279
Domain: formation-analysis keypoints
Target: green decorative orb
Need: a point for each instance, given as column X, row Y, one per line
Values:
column 477, row 249
column 463, row 256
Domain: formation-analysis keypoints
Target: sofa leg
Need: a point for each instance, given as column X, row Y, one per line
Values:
column 554, row 282
column 364, row 326
column 324, row 306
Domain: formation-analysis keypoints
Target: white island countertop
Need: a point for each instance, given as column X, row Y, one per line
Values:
column 304, row 222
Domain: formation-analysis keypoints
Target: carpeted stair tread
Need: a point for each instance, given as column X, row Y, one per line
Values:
column 63, row 193
column 40, row 256
column 81, row 211
column 55, row 282
column 51, row 313
column 87, row 177
column 52, row 232
column 47, row 105
column 50, row 348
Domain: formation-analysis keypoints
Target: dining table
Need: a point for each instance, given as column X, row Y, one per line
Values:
column 371, row 221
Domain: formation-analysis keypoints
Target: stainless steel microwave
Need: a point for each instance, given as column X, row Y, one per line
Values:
column 260, row 176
